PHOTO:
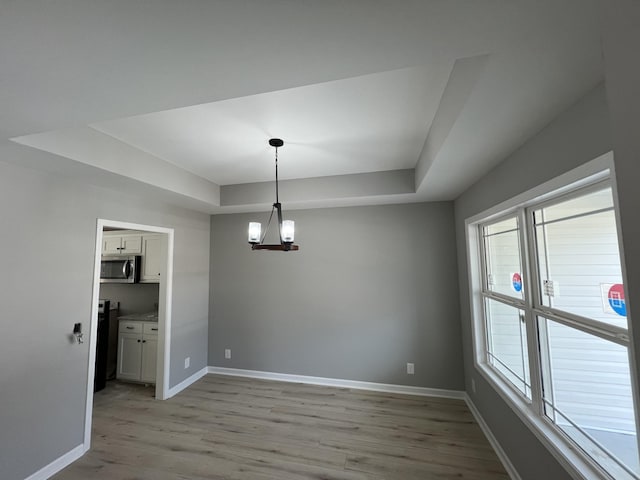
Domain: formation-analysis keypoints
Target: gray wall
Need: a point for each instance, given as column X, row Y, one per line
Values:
column 134, row 298
column 578, row 135
column 48, row 247
column 371, row 289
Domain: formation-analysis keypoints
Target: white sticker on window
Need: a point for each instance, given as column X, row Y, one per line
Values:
column 551, row 288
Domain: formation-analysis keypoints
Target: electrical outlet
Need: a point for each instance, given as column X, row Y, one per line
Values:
column 227, row 353
column 187, row 362
column 410, row 368
column 473, row 385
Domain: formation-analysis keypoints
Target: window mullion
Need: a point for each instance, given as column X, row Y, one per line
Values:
column 542, row 357
column 531, row 288
column 546, row 370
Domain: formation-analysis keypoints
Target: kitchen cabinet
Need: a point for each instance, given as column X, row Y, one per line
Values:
column 111, row 245
column 137, row 351
column 129, row 356
column 151, row 258
column 149, row 353
column 149, row 246
column 121, row 244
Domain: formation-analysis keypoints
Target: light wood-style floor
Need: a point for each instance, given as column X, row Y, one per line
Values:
column 237, row 428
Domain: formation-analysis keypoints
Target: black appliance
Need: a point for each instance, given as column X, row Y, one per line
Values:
column 102, row 347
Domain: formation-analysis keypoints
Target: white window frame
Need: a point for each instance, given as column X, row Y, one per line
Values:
column 531, row 412
column 514, row 302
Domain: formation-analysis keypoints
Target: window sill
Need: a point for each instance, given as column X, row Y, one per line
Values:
column 569, row 455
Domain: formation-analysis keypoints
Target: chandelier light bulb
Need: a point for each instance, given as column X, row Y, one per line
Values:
column 255, row 228
column 288, row 230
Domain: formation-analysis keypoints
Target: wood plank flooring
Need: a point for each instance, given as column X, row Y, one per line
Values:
column 238, row 428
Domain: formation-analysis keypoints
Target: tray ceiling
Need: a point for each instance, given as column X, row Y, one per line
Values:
column 396, row 101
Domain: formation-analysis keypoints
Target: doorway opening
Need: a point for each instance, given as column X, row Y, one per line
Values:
column 153, row 281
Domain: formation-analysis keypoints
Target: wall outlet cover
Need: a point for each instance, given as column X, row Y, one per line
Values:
column 187, row 362
column 227, row 353
column 410, row 368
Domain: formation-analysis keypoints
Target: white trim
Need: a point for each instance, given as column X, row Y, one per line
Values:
column 93, row 334
column 502, row 456
column 58, row 464
column 341, row 383
column 164, row 317
column 186, row 382
column 164, row 334
column 597, row 169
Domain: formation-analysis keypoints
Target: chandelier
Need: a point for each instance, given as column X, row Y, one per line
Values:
column 285, row 227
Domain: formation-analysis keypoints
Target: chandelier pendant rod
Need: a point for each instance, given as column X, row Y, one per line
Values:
column 277, row 205
column 277, row 197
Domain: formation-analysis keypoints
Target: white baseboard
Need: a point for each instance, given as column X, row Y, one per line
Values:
column 506, row 463
column 338, row 382
column 58, row 464
column 186, row 382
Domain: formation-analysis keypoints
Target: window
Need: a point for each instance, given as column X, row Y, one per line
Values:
column 506, row 346
column 551, row 323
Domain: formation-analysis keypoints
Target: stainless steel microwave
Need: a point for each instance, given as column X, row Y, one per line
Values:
column 120, row 269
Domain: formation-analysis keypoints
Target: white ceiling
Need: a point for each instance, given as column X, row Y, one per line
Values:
column 364, row 124
column 377, row 102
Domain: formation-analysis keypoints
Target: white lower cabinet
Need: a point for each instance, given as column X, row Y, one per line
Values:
column 137, row 351
column 149, row 355
column 129, row 356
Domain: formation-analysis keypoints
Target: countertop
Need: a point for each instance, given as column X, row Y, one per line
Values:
column 140, row 317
